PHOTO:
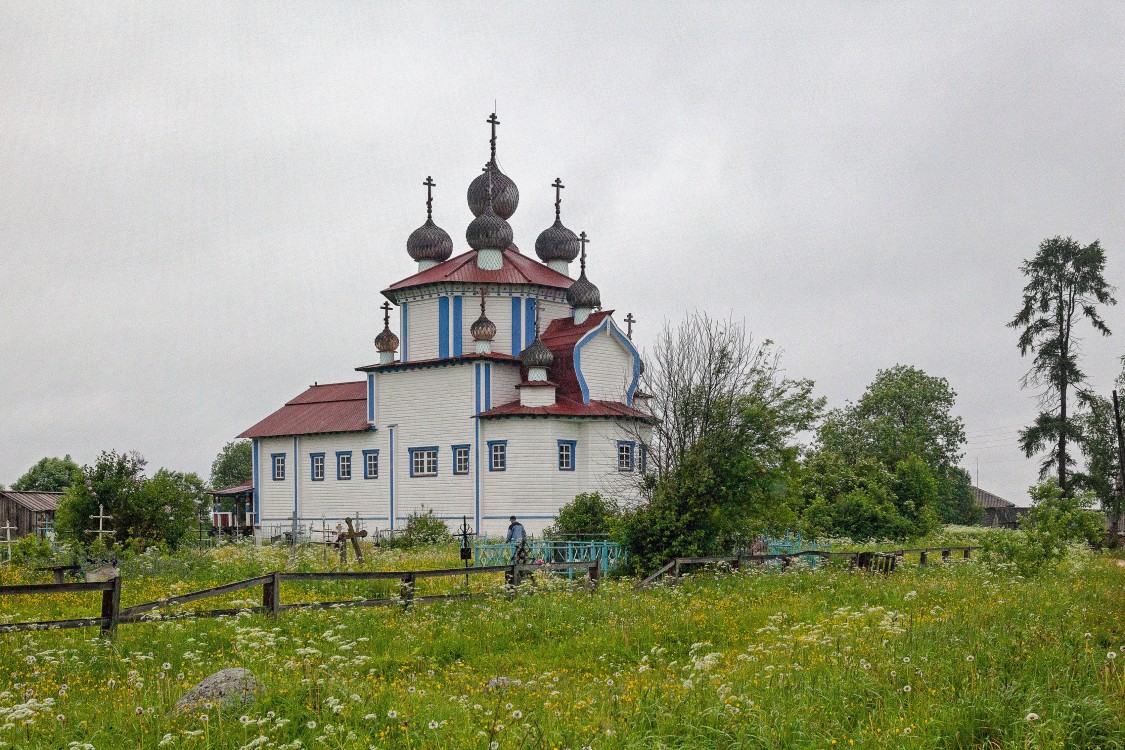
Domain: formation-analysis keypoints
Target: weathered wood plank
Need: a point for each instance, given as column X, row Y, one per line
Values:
column 82, row 622
column 194, row 596
column 54, row 588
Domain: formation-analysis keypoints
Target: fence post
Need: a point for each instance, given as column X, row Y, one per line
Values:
column 967, row 550
column 406, row 590
column 592, row 575
column 737, row 565
column 922, row 558
column 945, row 555
column 111, row 607
column 271, row 594
column 676, row 570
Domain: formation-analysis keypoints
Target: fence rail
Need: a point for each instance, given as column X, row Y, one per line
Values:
column 113, row 614
column 882, row 562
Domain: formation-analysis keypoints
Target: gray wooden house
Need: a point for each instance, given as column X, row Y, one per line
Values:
column 29, row 512
column 998, row 512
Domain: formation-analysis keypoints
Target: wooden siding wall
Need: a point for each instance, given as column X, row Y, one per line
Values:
column 26, row 521
column 607, row 367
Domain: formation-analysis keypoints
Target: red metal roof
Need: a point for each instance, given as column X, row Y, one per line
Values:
column 517, row 269
column 565, row 407
column 561, row 337
column 439, row 361
column 333, row 407
column 238, row 489
column 37, row 502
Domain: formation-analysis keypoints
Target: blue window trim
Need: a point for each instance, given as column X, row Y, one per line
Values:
column 437, row 457
column 273, row 466
column 476, row 452
column 443, row 327
column 351, row 466
column 371, row 397
column 517, row 341
column 622, row 339
column 497, row 442
column 529, row 319
column 632, row 455
column 573, row 454
column 454, row 448
column 257, row 482
column 312, row 467
column 403, row 325
column 458, row 325
column 367, row 453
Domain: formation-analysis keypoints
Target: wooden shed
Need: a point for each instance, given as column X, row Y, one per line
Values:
column 29, row 512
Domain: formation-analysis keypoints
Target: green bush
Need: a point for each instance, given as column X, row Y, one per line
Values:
column 422, row 528
column 31, row 550
column 588, row 515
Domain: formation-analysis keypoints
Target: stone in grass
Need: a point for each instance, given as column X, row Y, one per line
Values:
column 225, row 690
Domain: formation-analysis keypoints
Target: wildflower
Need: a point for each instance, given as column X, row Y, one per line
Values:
column 970, row 657
column 111, row 683
column 517, row 714
column 204, row 718
column 906, row 688
column 61, row 718
column 1032, row 717
column 1111, row 655
column 165, row 666
column 311, row 725
column 392, row 714
column 138, row 710
column 906, row 660
column 433, row 724
column 1088, row 635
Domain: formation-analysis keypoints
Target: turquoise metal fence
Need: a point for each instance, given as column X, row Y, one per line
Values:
column 608, row 554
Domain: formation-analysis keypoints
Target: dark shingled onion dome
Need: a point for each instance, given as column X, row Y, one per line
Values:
column 505, row 194
column 483, row 329
column 386, row 341
column 537, row 355
column 582, row 293
column 556, row 242
column 429, row 241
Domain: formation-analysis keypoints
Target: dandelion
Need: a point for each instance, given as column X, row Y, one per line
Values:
column 970, row 658
column 517, row 714
column 204, row 718
column 1031, row 717
column 906, row 688
column 61, row 718
column 906, row 660
column 392, row 714
column 1111, row 655
column 311, row 725
column 166, row 666
column 433, row 724
column 138, row 710
column 111, row 683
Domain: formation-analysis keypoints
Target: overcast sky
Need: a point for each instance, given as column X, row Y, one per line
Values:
column 200, row 202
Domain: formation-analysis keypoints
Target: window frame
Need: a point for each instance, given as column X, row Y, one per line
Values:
column 340, row 456
column 572, row 445
column 367, row 454
column 632, row 446
column 492, row 446
column 468, row 459
column 277, row 460
column 312, row 467
column 424, row 449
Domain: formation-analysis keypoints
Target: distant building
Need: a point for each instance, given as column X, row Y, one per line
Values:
column 29, row 512
column 998, row 512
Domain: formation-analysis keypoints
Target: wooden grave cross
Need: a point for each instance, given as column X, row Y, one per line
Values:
column 8, row 528
column 101, row 519
column 354, row 536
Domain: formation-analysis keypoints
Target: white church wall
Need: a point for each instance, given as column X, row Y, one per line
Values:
column 600, row 456
column 336, row 498
column 422, row 329
column 607, row 367
column 432, row 408
column 275, row 497
column 503, row 380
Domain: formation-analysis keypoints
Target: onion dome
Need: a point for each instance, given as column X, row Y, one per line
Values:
column 537, row 355
column 556, row 242
column 483, row 329
column 505, row 195
column 582, row 293
column 429, row 241
column 386, row 341
column 489, row 232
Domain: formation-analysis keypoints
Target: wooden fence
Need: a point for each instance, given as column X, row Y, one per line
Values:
column 113, row 614
column 882, row 562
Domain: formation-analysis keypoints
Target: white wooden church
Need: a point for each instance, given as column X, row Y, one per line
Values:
column 507, row 391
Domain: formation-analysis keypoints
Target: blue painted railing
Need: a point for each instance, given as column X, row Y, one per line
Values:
column 608, row 554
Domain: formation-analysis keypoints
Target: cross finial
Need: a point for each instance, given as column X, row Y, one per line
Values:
column 482, row 295
column 494, row 122
column 430, row 185
column 583, row 239
column 629, row 321
column 387, row 314
column 537, row 321
column 558, row 186
column 488, row 170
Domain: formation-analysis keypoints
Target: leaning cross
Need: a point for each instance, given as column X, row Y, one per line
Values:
column 8, row 528
column 101, row 518
column 354, row 536
column 629, row 321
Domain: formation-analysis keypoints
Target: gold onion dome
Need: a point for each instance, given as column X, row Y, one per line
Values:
column 429, row 241
column 556, row 242
column 386, row 341
column 537, row 355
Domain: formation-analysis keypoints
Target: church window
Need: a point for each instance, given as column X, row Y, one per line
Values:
column 625, row 449
column 371, row 464
column 497, row 455
column 343, row 464
column 317, row 467
column 566, row 455
column 423, row 462
column 278, row 467
column 460, row 459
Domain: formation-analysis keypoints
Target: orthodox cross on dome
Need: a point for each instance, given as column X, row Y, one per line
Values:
column 430, row 185
column 494, row 122
column 558, row 186
column 387, row 314
column 629, row 321
column 482, row 296
column 583, row 239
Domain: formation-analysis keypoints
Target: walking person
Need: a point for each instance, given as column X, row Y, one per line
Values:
column 517, row 536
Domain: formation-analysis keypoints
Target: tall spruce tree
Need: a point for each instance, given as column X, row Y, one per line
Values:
column 1066, row 284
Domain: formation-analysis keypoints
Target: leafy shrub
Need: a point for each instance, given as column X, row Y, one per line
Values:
column 31, row 550
column 588, row 515
column 422, row 529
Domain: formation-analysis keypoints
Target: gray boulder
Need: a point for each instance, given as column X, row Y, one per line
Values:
column 224, row 690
